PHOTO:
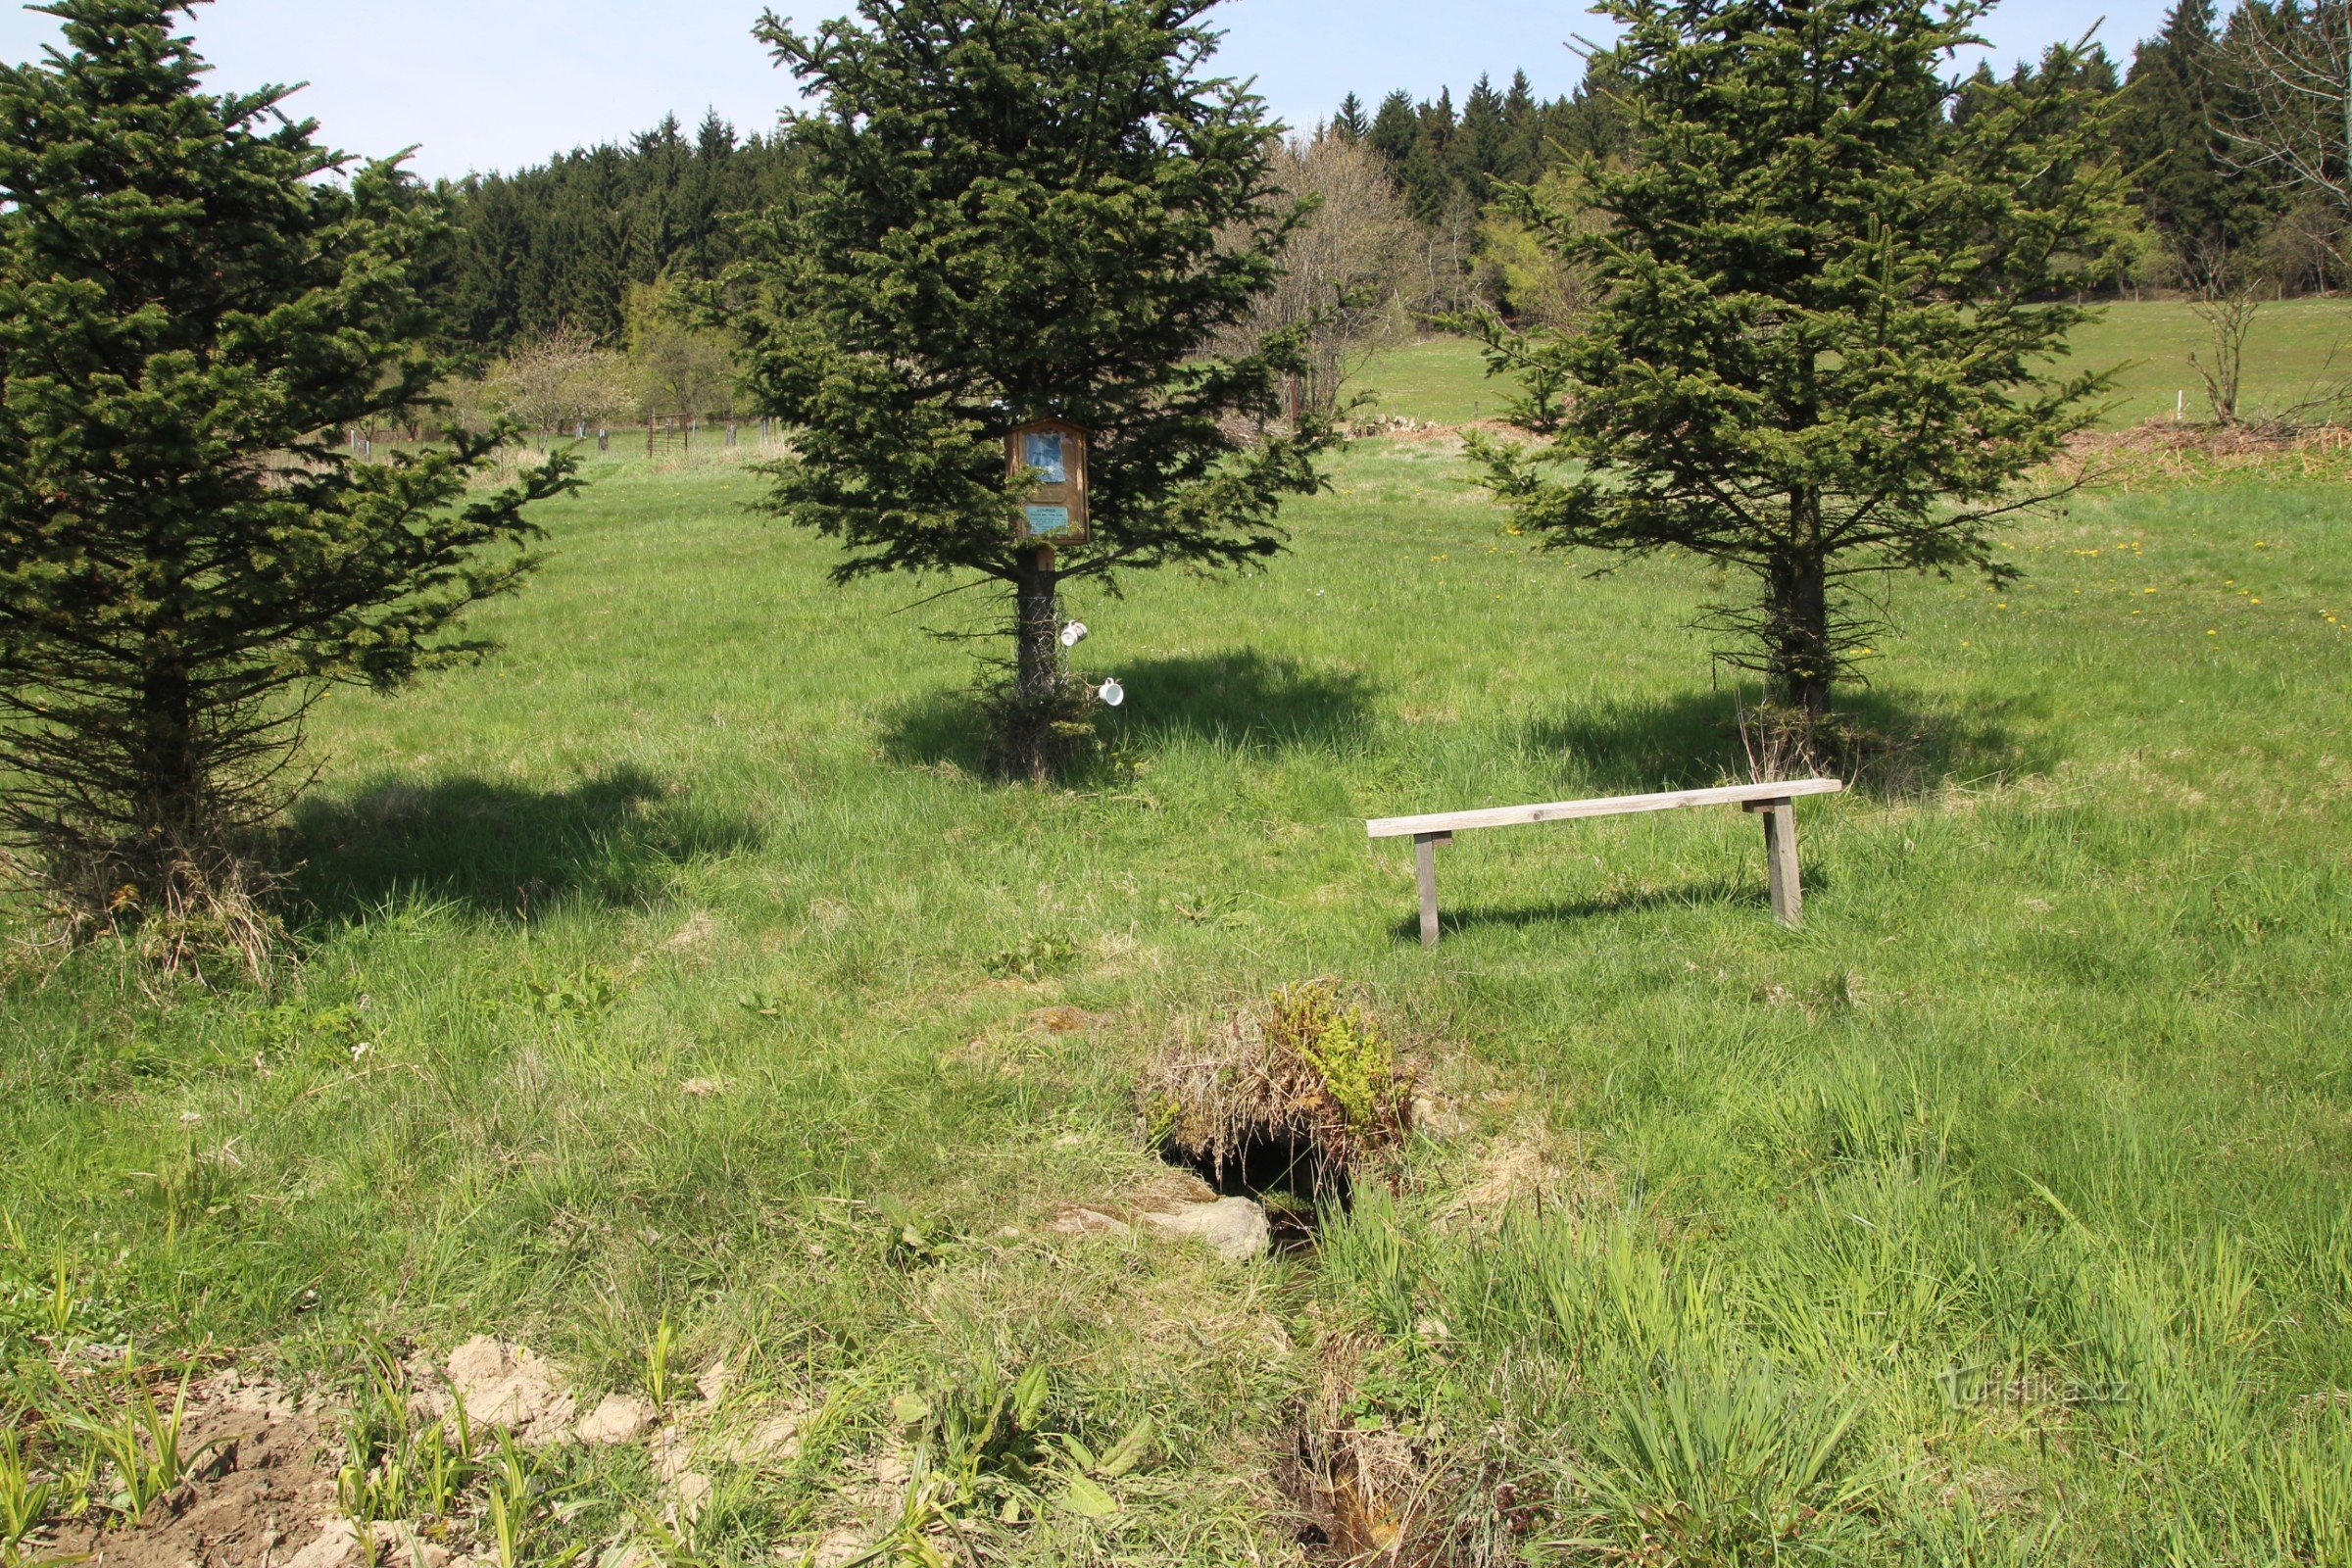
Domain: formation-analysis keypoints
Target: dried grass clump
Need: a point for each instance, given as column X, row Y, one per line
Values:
column 2161, row 452
column 1304, row 1068
column 1907, row 754
column 200, row 913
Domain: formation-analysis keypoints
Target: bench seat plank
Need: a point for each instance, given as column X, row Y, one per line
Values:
column 1404, row 827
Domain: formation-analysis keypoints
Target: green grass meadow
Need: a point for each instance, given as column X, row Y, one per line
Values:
column 679, row 963
column 2297, row 352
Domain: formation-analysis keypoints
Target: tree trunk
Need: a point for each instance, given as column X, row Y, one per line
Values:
column 168, row 816
column 1037, row 672
column 1802, row 663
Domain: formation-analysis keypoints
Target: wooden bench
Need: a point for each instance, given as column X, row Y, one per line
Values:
column 1774, row 803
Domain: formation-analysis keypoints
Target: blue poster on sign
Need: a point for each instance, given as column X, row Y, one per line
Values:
column 1043, row 452
column 1049, row 519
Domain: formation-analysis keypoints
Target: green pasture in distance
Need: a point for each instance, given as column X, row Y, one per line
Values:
column 2297, row 350
column 678, row 963
column 1439, row 379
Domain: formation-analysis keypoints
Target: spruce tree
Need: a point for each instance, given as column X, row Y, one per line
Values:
column 1428, row 178
column 1524, row 153
column 1395, row 130
column 192, row 313
column 2171, row 134
column 1018, row 210
column 1821, row 350
column 1591, row 123
column 1349, row 125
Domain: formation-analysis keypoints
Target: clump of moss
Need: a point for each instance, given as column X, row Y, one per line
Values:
column 1355, row 1062
column 1306, row 1067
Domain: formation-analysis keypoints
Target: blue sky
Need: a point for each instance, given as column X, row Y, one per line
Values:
column 497, row 83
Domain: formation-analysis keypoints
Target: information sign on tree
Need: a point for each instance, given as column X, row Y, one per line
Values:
column 1050, row 455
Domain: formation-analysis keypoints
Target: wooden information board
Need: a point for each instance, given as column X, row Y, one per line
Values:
column 1052, row 455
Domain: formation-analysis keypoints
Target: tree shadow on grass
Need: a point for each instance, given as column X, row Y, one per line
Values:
column 616, row 839
column 1895, row 745
column 1240, row 697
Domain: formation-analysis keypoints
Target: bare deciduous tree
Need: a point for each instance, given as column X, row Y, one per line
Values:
column 464, row 403
column 1342, row 270
column 679, row 367
column 2226, row 311
column 561, row 379
column 2296, row 69
column 2224, row 301
column 2304, row 252
column 1448, row 258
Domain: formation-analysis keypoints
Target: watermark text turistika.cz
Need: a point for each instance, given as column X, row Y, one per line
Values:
column 2017, row 1390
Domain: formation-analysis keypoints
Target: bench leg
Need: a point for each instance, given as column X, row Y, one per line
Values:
column 1779, row 861
column 1425, row 860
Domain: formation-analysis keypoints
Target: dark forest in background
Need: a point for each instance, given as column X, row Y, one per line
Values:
column 1443, row 160
column 557, row 247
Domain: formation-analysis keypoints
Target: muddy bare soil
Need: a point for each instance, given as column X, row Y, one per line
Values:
column 263, row 1494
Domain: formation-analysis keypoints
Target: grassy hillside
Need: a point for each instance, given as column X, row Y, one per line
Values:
column 675, row 967
column 2297, row 351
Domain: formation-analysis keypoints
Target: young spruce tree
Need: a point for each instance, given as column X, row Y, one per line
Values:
column 1822, row 351
column 1014, row 210
column 193, row 309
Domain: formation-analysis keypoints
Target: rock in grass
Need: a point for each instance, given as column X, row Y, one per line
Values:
column 839, row 1549
column 1076, row 1219
column 402, row 1542
column 507, row 1386
column 1437, row 1122
column 1233, row 1228
column 774, row 1440
column 619, row 1418
column 338, row 1542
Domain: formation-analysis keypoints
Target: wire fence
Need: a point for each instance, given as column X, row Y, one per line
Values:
column 662, row 436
